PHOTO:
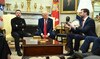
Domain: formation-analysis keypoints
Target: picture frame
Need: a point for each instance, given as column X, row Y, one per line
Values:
column 68, row 6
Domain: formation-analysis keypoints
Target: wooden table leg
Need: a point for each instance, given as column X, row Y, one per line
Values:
column 47, row 57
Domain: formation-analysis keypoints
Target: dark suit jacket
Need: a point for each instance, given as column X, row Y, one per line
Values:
column 4, row 48
column 41, row 25
column 88, row 29
column 20, row 22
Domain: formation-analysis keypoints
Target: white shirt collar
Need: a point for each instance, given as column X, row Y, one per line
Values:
column 46, row 20
column 85, row 18
column 84, row 21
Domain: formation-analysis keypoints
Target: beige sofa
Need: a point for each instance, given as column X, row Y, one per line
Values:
column 7, row 25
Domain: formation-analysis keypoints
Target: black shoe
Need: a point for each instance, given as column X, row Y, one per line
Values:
column 19, row 53
column 71, row 57
column 76, row 55
column 79, row 55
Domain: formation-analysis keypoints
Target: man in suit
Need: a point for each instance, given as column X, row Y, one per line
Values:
column 84, row 30
column 84, row 48
column 4, row 48
column 18, row 25
column 45, row 27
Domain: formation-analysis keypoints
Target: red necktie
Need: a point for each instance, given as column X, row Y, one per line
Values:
column 45, row 29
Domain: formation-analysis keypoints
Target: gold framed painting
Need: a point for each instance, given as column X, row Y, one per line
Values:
column 68, row 6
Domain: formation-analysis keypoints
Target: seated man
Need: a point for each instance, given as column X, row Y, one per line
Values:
column 45, row 27
column 87, row 28
column 95, row 48
column 85, row 46
column 18, row 25
column 4, row 48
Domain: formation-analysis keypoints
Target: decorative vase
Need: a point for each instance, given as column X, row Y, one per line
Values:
column 35, row 6
column 16, row 6
column 22, row 5
column 8, row 6
column 41, row 8
column 48, row 8
column 28, row 5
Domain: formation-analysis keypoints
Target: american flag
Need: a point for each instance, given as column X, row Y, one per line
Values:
column 1, row 7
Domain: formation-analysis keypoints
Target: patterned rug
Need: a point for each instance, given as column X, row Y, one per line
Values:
column 15, row 56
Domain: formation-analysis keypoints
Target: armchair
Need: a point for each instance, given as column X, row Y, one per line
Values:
column 7, row 25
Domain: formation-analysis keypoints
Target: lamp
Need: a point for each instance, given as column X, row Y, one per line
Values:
column 1, row 13
column 85, row 4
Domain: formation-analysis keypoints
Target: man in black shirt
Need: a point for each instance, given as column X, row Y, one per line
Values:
column 18, row 25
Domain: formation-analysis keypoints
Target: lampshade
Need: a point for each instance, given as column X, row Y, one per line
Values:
column 85, row 4
column 1, row 13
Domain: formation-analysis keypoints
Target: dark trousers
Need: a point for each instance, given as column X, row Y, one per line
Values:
column 83, row 55
column 96, row 47
column 4, row 48
column 85, row 46
column 17, row 36
column 77, row 38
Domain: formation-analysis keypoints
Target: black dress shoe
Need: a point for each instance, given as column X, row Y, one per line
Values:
column 19, row 53
column 71, row 57
column 76, row 55
column 79, row 55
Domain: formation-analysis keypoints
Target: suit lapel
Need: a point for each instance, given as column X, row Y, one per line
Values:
column 86, row 21
column 42, row 21
column 47, row 23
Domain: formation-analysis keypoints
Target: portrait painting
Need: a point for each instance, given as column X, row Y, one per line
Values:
column 68, row 6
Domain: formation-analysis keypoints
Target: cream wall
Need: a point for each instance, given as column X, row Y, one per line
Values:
column 63, row 17
column 44, row 3
column 96, row 8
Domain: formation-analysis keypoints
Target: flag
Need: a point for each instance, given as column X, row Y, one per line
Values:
column 1, row 14
column 1, row 7
column 1, row 22
column 2, row 2
column 1, row 19
column 55, row 11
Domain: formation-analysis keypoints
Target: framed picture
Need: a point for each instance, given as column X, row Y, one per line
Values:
column 68, row 6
